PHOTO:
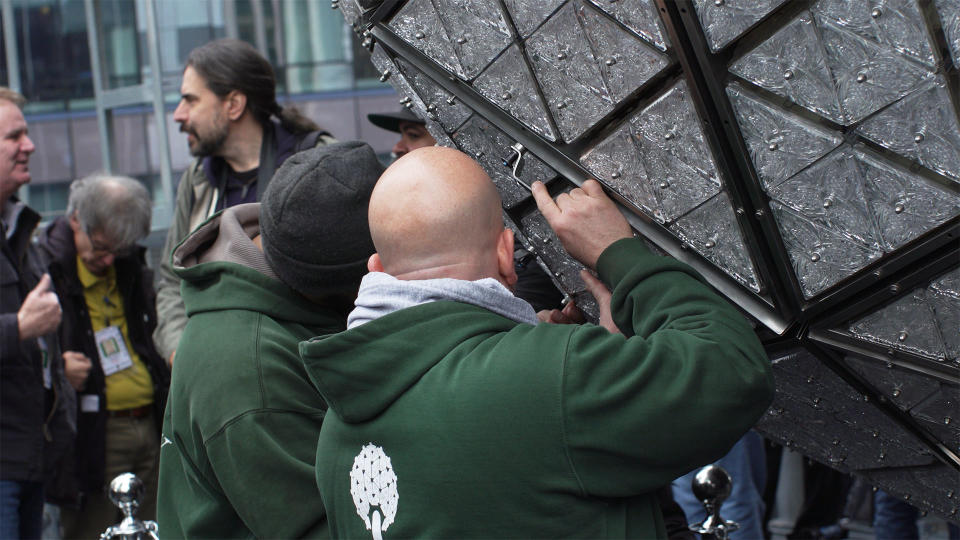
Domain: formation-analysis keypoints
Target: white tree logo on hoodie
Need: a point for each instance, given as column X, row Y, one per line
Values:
column 373, row 485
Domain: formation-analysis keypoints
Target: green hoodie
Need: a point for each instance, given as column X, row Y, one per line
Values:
column 240, row 430
column 449, row 421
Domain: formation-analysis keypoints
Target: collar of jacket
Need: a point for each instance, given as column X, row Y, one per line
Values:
column 361, row 371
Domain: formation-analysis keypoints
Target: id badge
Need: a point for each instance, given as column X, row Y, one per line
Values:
column 114, row 356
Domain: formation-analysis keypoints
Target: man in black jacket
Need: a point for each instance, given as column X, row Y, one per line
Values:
column 31, row 400
column 106, row 291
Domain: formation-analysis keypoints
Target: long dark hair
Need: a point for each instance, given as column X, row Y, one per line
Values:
column 230, row 64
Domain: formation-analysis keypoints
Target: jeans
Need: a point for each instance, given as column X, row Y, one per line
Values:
column 21, row 510
column 746, row 463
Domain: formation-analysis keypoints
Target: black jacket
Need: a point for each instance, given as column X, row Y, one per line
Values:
column 135, row 283
column 35, row 428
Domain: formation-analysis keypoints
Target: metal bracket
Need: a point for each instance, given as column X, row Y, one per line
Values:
column 515, row 161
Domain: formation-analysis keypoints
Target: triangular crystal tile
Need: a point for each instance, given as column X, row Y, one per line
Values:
column 616, row 162
column 938, row 416
column 438, row 104
column 944, row 296
column 895, row 24
column 712, row 231
column 679, row 187
column 527, row 15
column 725, row 20
column 821, row 258
column 509, row 84
column 625, row 62
column 831, row 194
column 350, row 10
column 488, row 145
column 905, row 205
column 568, row 74
column 904, row 388
column 478, row 29
column 418, row 24
column 792, row 64
column 639, row 16
column 409, row 97
column 670, row 125
column 908, row 324
column 779, row 143
column 922, row 126
column 949, row 11
column 868, row 77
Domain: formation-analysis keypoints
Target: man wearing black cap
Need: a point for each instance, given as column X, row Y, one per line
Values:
column 413, row 132
column 240, row 430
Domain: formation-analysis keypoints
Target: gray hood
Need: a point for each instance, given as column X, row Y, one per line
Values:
column 226, row 237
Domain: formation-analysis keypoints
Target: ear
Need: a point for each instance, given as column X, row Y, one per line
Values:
column 74, row 222
column 374, row 264
column 508, row 272
column 235, row 104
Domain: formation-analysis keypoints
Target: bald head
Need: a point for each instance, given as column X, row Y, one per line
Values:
column 435, row 213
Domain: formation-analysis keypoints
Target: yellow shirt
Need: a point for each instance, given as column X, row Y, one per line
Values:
column 131, row 387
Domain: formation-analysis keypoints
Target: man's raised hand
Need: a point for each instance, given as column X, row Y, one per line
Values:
column 40, row 312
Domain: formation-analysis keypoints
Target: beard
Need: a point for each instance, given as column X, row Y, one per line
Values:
column 211, row 143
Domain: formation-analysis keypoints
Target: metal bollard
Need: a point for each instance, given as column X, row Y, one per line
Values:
column 711, row 486
column 126, row 491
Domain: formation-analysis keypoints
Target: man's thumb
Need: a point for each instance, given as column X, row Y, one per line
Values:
column 595, row 286
column 44, row 284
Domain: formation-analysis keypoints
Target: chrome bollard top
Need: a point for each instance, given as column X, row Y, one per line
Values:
column 126, row 491
column 711, row 486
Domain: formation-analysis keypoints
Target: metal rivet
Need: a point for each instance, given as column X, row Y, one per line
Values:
column 385, row 75
column 788, row 74
column 882, row 454
column 615, row 175
column 669, row 135
column 876, row 434
column 810, row 379
column 461, row 40
column 875, row 489
column 431, row 107
column 895, row 288
column 561, row 56
column 827, row 203
column 664, row 185
column 896, row 392
column 408, row 104
column 610, row 61
column 902, row 336
column 899, row 208
column 562, row 105
column 950, row 494
column 718, row 3
column 816, row 401
column 478, row 155
column 547, row 240
column 431, row 115
column 918, row 137
column 709, row 244
column 505, row 95
column 876, row 13
column 889, row 365
column 906, row 497
column 759, row 213
column 815, row 257
column 451, row 100
column 947, row 420
column 773, row 146
column 861, row 77
column 836, row 442
column 741, row 211
column 866, row 398
column 404, row 99
column 334, row 4
column 557, row 274
column 419, row 35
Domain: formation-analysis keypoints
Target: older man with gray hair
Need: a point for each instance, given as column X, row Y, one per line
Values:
column 106, row 291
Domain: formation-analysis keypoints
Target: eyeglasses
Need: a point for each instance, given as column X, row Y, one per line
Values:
column 100, row 250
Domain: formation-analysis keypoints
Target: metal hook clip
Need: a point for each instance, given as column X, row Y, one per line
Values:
column 516, row 162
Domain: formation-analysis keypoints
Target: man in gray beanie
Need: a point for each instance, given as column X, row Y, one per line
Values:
column 240, row 430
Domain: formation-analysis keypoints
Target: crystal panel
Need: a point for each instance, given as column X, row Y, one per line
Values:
column 926, row 321
column 792, row 64
column 922, row 126
column 439, row 104
column 949, row 11
column 418, row 24
column 903, row 387
column 895, row 24
column 818, row 413
column 626, row 63
column 616, row 162
column 567, row 71
column 712, row 231
column 565, row 269
column 410, row 99
column 350, row 10
column 491, row 148
column 868, row 76
column 509, row 84
column 821, row 257
column 931, row 488
column 528, row 15
column 725, row 20
column 478, row 31
column 940, row 416
column 779, row 143
column 639, row 16
column 675, row 153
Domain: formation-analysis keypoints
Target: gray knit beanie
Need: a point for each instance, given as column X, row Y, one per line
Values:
column 313, row 218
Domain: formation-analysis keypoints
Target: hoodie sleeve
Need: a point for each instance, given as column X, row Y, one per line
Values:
column 171, row 313
column 683, row 383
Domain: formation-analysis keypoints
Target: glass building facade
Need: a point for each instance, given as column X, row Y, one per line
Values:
column 81, row 127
